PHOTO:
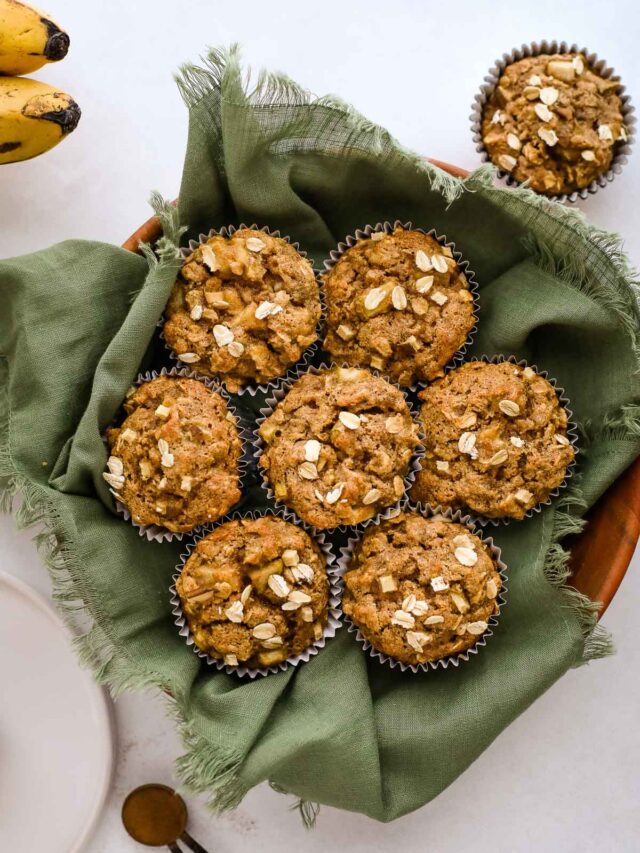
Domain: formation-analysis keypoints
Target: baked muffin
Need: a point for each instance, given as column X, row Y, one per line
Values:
column 553, row 121
column 244, row 308
column 420, row 589
column 174, row 461
column 255, row 592
column 337, row 447
column 496, row 440
column 398, row 303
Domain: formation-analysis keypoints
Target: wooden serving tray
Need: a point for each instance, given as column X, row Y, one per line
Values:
column 601, row 554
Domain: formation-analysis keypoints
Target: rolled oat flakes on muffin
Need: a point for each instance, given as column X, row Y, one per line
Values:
column 398, row 303
column 495, row 440
column 174, row 461
column 553, row 121
column 255, row 592
column 338, row 446
column 421, row 589
column 244, row 308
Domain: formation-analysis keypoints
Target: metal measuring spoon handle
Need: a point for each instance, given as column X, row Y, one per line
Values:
column 192, row 843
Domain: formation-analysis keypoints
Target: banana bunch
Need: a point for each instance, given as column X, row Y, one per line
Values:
column 33, row 116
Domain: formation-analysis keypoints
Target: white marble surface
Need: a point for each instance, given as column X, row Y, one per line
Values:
column 565, row 775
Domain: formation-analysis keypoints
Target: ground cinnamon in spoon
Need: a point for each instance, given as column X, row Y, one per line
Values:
column 154, row 815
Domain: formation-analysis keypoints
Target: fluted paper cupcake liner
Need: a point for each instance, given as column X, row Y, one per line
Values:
column 335, row 590
column 427, row 511
column 463, row 266
column 281, row 391
column 572, row 435
column 249, row 388
column 154, row 532
column 621, row 150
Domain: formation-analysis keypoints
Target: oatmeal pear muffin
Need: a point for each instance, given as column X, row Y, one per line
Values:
column 398, row 303
column 553, row 121
column 255, row 592
column 338, row 446
column 244, row 308
column 174, row 460
column 496, row 440
column 420, row 589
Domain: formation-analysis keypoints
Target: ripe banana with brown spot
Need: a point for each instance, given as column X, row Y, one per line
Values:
column 33, row 118
column 28, row 38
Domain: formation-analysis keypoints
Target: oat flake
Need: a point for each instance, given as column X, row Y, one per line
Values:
column 548, row 136
column 349, row 420
column 223, row 335
column 507, row 162
column 403, row 619
column 308, row 471
column 466, row 556
column 424, row 284
column 398, row 298
column 255, row 244
column 334, row 495
column 549, row 95
column 209, row 258
column 278, row 585
column 513, row 142
column 422, row 261
column 312, row 450
column 467, row 444
column 439, row 263
column 373, row 298
column 543, row 112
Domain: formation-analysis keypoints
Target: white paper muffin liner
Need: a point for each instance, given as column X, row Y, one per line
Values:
column 572, row 435
column 621, row 150
column 280, row 392
column 463, row 266
column 153, row 532
column 427, row 511
column 334, row 614
column 249, row 388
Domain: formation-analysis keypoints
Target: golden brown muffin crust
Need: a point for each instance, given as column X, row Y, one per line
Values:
column 338, row 446
column 174, row 461
column 420, row 589
column 496, row 440
column 553, row 121
column 244, row 308
column 255, row 592
column 398, row 303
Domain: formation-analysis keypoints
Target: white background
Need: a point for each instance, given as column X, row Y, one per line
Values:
column 564, row 777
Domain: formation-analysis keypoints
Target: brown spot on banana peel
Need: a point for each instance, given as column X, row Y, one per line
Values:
column 57, row 107
column 57, row 44
column 67, row 119
column 5, row 147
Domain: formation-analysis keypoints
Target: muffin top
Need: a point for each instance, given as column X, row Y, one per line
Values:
column 174, row 461
column 255, row 592
column 398, row 303
column 553, row 121
column 421, row 588
column 337, row 447
column 244, row 308
column 496, row 440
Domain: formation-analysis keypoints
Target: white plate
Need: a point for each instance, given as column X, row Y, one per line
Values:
column 56, row 751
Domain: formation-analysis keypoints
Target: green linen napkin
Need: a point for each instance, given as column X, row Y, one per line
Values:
column 79, row 321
